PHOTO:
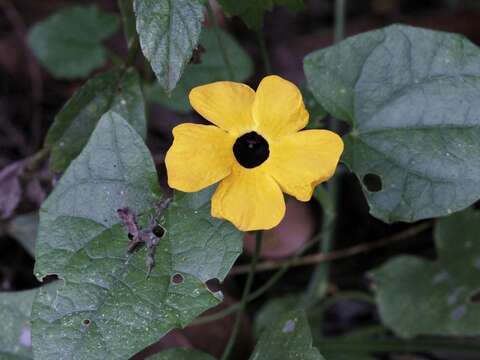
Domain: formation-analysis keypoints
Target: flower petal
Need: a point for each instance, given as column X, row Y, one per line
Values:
column 300, row 161
column 278, row 108
column 200, row 156
column 226, row 104
column 250, row 199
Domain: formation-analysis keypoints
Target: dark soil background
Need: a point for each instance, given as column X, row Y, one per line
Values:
column 30, row 98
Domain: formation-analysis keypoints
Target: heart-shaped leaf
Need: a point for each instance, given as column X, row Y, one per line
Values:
column 107, row 296
column 421, row 297
column 169, row 31
column 117, row 90
column 69, row 43
column 411, row 96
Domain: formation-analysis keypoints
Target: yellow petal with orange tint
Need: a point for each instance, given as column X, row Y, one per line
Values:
column 300, row 161
column 226, row 104
column 278, row 108
column 200, row 156
column 250, row 199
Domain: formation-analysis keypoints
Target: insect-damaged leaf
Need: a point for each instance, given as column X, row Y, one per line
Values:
column 114, row 90
column 411, row 96
column 420, row 297
column 107, row 297
column 169, row 31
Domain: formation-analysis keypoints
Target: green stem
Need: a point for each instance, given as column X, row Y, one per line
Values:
column 263, row 52
column 261, row 290
column 318, row 284
column 243, row 301
column 223, row 51
column 339, row 21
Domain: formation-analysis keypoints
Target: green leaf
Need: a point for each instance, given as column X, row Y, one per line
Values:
column 15, row 327
column 69, row 43
column 212, row 68
column 421, row 297
column 107, row 296
column 252, row 11
column 169, row 31
column 287, row 338
column 274, row 309
column 411, row 96
column 114, row 90
column 204, row 246
column 24, row 229
column 181, row 354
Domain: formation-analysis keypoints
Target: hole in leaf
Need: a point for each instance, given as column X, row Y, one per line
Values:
column 475, row 297
column 372, row 182
column 130, row 236
column 177, row 278
column 158, row 231
column 213, row 285
column 86, row 322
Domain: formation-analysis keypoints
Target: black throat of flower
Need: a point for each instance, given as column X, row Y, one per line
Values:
column 251, row 150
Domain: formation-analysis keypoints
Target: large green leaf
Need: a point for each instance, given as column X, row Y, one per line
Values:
column 288, row 338
column 169, row 31
column 69, row 43
column 411, row 96
column 252, row 11
column 212, row 67
column 117, row 90
column 181, row 354
column 420, row 297
column 107, row 296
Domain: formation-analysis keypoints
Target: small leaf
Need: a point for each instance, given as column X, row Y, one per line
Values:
column 288, row 338
column 24, row 229
column 169, row 31
column 181, row 354
column 212, row 67
column 107, row 296
column 411, row 96
column 252, row 11
column 69, row 43
column 73, row 125
column 421, row 297
column 274, row 309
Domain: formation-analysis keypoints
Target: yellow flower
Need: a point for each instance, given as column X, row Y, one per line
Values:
column 255, row 150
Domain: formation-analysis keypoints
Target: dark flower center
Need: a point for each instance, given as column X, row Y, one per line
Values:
column 251, row 150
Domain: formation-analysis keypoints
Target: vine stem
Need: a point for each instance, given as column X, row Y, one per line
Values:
column 263, row 52
column 338, row 254
column 318, row 284
column 223, row 51
column 243, row 301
